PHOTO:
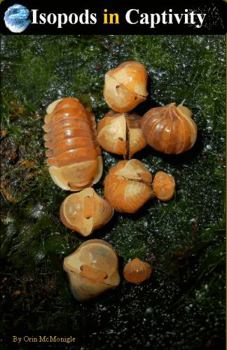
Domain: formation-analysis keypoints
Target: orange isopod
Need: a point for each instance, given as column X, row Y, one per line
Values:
column 73, row 155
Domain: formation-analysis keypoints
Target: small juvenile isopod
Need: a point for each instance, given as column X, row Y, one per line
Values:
column 163, row 186
column 137, row 271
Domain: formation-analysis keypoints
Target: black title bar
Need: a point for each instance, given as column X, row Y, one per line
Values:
column 113, row 17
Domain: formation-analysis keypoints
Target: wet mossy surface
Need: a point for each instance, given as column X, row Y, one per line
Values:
column 183, row 304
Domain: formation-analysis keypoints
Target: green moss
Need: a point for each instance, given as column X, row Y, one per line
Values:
column 182, row 307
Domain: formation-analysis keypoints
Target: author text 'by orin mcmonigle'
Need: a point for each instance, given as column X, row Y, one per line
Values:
column 43, row 339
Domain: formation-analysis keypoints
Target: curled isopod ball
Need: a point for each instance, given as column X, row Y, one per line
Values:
column 85, row 211
column 127, row 186
column 73, row 155
column 92, row 269
column 163, row 186
column 169, row 129
column 121, row 134
column 137, row 271
column 125, row 86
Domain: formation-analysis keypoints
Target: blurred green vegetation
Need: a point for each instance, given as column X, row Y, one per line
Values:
column 183, row 305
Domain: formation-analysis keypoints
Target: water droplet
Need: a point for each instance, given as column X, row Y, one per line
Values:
column 208, row 147
column 193, row 221
column 149, row 310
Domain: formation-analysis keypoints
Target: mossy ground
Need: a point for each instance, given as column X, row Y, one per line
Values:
column 182, row 306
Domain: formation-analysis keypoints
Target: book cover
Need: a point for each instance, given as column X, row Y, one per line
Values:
column 112, row 146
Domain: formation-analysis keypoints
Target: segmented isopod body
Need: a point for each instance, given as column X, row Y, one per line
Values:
column 73, row 155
